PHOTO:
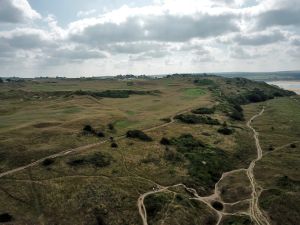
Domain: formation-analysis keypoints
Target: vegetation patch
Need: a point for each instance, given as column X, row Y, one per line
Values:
column 48, row 162
column 155, row 203
column 197, row 119
column 193, row 92
column 226, row 130
column 237, row 220
column 206, row 164
column 5, row 217
column 138, row 134
column 98, row 159
column 204, row 110
column 115, row 93
column 204, row 82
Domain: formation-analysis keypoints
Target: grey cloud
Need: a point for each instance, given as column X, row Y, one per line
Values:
column 240, row 53
column 134, row 47
column 260, row 38
column 150, row 55
column 78, row 53
column 165, row 28
column 279, row 17
column 10, row 12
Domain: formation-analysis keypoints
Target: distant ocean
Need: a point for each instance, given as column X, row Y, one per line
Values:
column 288, row 85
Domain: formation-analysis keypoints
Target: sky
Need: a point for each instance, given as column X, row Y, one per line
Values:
column 75, row 38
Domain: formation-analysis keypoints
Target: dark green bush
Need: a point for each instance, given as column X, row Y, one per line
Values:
column 293, row 145
column 173, row 156
column 47, row 162
column 195, row 119
column 100, row 134
column 5, row 217
column 155, row 203
column 98, row 159
column 138, row 134
column 165, row 141
column 88, row 129
column 204, row 82
column 204, row 111
column 226, row 130
column 237, row 115
column 114, row 145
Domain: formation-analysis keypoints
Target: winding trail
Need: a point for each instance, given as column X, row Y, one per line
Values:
column 86, row 147
column 254, row 211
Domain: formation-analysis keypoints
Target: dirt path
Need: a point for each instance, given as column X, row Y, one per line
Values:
column 254, row 212
column 86, row 147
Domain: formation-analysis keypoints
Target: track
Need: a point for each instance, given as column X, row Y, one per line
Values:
column 254, row 212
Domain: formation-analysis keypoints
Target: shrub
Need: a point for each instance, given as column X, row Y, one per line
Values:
column 173, row 156
column 98, row 159
column 187, row 143
column 194, row 119
column 203, row 111
column 155, row 203
column 47, row 162
column 237, row 115
column 293, row 145
column 100, row 134
column 217, row 205
column 5, row 217
column 225, row 130
column 88, row 129
column 271, row 148
column 114, row 145
column 111, row 126
column 165, row 141
column 138, row 134
column 204, row 82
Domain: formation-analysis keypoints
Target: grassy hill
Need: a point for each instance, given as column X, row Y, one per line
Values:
column 101, row 144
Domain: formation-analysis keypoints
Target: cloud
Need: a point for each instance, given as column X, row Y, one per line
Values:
column 164, row 28
column 25, row 38
column 262, row 38
column 86, row 13
column 16, row 11
column 279, row 13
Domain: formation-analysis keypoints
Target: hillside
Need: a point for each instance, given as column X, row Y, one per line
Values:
column 176, row 150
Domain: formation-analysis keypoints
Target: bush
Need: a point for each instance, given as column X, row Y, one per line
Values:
column 138, row 134
column 225, row 130
column 194, row 119
column 5, row 217
column 165, row 141
column 100, row 134
column 111, row 126
column 88, row 129
column 204, row 111
column 237, row 115
column 114, row 145
column 204, row 82
column 98, row 159
column 47, row 162
column 293, row 145
column 173, row 156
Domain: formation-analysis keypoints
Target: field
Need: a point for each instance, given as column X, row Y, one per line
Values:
column 75, row 165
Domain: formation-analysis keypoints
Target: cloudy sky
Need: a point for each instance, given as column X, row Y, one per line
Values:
column 109, row 37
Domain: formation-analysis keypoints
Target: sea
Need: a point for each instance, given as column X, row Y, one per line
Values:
column 287, row 85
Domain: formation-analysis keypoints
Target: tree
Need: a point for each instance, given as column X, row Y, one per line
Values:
column 1, row 81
